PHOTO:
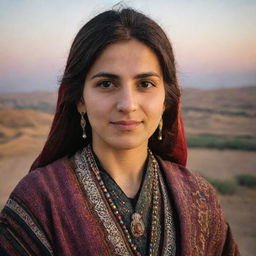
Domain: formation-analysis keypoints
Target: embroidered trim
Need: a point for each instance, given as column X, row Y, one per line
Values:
column 200, row 206
column 114, row 235
column 170, row 236
column 22, row 213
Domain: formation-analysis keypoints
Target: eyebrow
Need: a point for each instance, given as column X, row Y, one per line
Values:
column 114, row 76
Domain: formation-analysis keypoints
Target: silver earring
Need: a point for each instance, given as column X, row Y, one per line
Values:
column 83, row 124
column 160, row 128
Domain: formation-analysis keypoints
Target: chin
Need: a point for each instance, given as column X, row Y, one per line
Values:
column 129, row 144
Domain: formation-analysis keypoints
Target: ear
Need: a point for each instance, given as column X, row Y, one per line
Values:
column 81, row 107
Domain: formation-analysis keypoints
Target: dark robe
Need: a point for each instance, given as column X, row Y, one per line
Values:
column 57, row 211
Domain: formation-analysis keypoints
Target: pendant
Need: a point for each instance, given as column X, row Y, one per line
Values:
column 137, row 225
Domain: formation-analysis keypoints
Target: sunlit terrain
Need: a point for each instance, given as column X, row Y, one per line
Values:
column 220, row 128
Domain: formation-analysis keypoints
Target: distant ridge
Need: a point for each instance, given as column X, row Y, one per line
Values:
column 221, row 118
column 22, row 131
column 227, row 99
column 39, row 101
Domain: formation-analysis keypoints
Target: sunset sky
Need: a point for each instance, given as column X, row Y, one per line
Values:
column 214, row 41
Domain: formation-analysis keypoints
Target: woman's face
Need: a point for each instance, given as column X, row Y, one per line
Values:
column 124, row 96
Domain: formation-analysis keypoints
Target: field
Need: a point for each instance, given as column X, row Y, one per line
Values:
column 220, row 129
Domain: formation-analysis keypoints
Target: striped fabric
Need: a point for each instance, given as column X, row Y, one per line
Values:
column 21, row 231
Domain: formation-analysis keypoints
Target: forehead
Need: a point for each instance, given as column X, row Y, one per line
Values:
column 130, row 57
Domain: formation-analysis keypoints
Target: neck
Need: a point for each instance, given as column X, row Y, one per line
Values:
column 124, row 166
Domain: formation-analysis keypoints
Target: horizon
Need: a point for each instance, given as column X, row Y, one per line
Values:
column 182, row 88
column 214, row 43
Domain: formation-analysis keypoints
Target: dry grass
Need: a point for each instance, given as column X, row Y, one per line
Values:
column 23, row 132
column 222, row 164
column 240, row 211
column 210, row 123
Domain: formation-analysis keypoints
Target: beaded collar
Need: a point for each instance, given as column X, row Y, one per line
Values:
column 137, row 226
column 96, row 189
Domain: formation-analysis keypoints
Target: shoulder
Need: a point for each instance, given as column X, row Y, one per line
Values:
column 29, row 211
column 184, row 177
column 43, row 177
column 42, row 187
column 197, row 204
column 191, row 189
column 42, row 193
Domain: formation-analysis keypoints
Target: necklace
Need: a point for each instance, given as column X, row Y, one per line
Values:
column 137, row 226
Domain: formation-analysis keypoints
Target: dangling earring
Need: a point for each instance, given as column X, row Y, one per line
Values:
column 160, row 127
column 83, row 124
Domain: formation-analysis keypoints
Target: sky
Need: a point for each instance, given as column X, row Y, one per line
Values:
column 214, row 41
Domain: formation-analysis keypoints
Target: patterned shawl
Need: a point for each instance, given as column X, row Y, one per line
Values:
column 59, row 210
column 95, row 196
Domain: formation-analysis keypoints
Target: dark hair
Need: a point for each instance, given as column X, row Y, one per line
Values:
column 109, row 27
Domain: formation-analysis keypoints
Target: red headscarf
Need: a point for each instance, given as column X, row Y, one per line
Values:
column 179, row 151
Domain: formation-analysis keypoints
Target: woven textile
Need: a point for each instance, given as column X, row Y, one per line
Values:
column 49, row 213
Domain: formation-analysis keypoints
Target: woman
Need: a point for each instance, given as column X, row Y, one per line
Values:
column 111, row 178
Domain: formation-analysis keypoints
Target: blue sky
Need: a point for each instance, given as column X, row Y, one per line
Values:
column 214, row 41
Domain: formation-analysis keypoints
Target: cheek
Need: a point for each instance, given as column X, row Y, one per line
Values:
column 97, row 111
column 92, row 104
column 94, row 113
column 156, row 105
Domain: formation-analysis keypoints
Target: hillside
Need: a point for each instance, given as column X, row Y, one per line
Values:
column 228, row 101
column 39, row 101
column 223, row 118
column 222, row 112
column 209, row 116
column 236, row 100
column 22, row 131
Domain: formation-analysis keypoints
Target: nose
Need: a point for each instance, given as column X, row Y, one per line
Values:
column 127, row 100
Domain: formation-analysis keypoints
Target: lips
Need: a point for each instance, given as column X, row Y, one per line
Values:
column 126, row 125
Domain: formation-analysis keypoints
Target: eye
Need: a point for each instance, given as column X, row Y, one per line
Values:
column 105, row 84
column 146, row 84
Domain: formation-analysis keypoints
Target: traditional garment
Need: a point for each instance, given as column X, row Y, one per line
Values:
column 60, row 210
column 142, row 204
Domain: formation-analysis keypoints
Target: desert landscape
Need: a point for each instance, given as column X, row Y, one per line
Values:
column 220, row 129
